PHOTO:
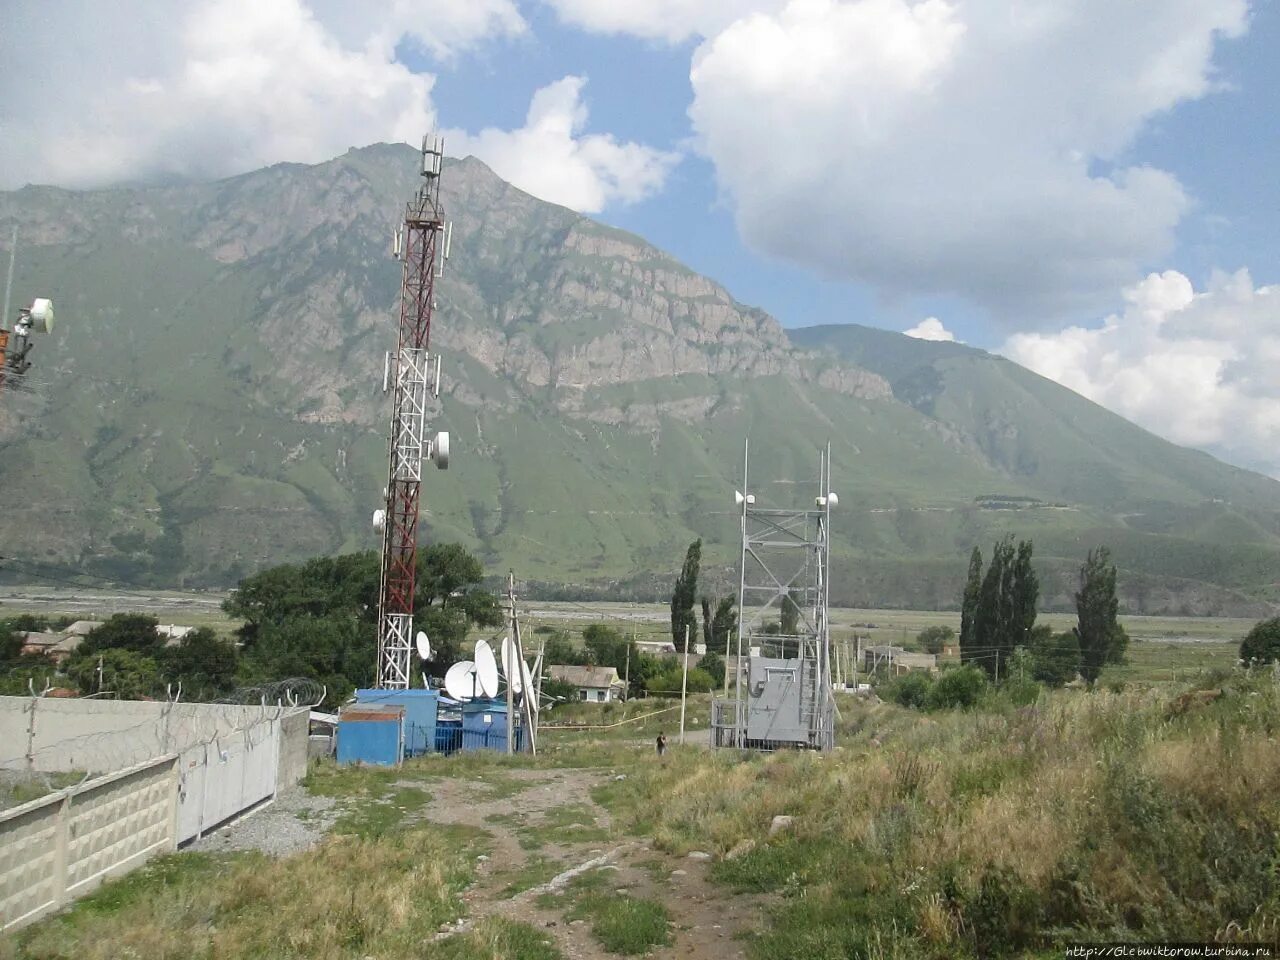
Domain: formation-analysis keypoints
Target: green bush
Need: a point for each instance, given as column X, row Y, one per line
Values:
column 908, row 690
column 1262, row 643
column 959, row 687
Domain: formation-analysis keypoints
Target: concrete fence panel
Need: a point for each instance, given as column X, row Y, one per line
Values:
column 60, row 847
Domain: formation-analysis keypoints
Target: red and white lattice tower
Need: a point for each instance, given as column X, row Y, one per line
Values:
column 413, row 375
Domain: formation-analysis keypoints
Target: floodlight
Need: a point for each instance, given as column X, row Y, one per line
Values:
column 820, row 501
column 751, row 499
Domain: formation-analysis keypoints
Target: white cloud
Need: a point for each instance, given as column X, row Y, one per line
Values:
column 669, row 20
column 98, row 93
column 551, row 158
column 1197, row 368
column 975, row 148
column 931, row 328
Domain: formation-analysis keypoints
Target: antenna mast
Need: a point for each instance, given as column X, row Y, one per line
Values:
column 412, row 374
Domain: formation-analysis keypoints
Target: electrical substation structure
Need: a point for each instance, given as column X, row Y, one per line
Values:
column 412, row 374
column 783, row 696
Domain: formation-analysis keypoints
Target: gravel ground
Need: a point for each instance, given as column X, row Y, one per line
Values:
column 295, row 822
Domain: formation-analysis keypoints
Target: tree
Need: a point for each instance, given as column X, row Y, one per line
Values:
column 969, row 606
column 1096, row 607
column 706, row 621
column 935, row 639
column 558, row 649
column 125, row 631
column 1055, row 657
column 667, row 683
column 1025, row 594
column 318, row 619
column 712, row 664
column 203, row 663
column 683, row 620
column 126, row 673
column 1262, row 643
column 1005, row 609
column 789, row 616
column 608, row 647
column 724, row 624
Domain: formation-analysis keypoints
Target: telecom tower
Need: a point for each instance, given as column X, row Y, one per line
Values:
column 412, row 374
column 784, row 697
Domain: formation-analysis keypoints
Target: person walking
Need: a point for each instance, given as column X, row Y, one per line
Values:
column 662, row 743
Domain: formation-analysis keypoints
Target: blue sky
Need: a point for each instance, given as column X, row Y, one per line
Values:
column 1085, row 186
column 1225, row 148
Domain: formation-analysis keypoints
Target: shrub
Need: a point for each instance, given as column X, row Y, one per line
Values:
column 908, row 690
column 958, row 687
column 934, row 639
column 1262, row 643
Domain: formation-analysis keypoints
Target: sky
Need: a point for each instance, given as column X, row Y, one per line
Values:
column 1087, row 187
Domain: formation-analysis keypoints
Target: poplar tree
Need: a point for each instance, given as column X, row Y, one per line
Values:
column 683, row 620
column 1096, row 607
column 969, row 606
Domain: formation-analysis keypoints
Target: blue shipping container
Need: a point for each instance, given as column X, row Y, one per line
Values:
column 373, row 735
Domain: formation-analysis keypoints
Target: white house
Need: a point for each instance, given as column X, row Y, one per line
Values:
column 594, row 684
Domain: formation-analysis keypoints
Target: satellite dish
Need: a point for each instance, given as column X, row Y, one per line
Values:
column 738, row 498
column 460, row 681
column 514, row 675
column 529, row 686
column 379, row 520
column 833, row 499
column 424, row 646
column 41, row 315
column 486, row 669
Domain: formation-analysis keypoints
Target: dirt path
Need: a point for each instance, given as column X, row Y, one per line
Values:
column 527, row 824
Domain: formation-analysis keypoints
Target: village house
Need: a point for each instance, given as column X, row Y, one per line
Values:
column 594, row 684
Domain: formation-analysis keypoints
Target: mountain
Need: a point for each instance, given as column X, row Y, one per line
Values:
column 211, row 403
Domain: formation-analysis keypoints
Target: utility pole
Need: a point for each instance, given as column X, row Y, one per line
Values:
column 513, row 669
column 626, row 683
column 684, row 683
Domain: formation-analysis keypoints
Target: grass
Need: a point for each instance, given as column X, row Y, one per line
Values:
column 624, row 924
column 14, row 794
column 1140, row 815
column 571, row 823
column 351, row 896
column 494, row 939
column 534, row 872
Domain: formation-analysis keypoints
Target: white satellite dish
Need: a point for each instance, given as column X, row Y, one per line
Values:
column 531, row 688
column 424, row 646
column 514, row 675
column 486, row 669
column 460, row 681
column 379, row 520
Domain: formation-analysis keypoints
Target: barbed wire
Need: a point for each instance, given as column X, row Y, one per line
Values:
column 177, row 727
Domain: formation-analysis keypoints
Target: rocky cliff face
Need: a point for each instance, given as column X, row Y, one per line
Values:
column 210, row 402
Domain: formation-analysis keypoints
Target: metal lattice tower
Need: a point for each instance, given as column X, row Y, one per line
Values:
column 413, row 375
column 785, row 697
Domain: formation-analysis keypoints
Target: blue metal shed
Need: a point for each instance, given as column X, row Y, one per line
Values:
column 371, row 734
column 421, row 712
column 484, row 726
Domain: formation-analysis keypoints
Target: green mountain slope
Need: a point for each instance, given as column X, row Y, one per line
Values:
column 211, row 403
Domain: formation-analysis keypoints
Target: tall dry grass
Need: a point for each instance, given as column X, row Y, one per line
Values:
column 348, row 897
column 1138, row 815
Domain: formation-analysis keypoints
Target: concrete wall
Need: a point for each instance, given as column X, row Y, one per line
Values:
column 99, row 736
column 60, row 847
column 295, row 730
